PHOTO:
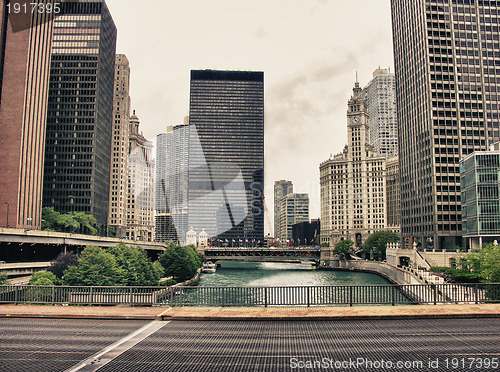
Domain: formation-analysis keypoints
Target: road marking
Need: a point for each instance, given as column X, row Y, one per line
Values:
column 109, row 353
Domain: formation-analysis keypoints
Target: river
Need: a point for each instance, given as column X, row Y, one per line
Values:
column 270, row 274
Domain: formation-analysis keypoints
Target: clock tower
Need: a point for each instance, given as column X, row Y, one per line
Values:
column 353, row 185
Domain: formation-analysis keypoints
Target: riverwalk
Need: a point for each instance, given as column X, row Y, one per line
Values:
column 451, row 311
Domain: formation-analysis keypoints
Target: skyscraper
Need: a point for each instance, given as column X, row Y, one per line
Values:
column 25, row 44
column 80, row 114
column 171, row 193
column 226, row 154
column 446, row 59
column 294, row 209
column 281, row 189
column 140, row 185
column 380, row 94
column 353, row 185
column 119, row 148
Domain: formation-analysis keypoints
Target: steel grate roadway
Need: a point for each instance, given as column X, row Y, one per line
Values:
column 54, row 345
column 270, row 345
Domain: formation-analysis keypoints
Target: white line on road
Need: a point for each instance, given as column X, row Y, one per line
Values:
column 109, row 353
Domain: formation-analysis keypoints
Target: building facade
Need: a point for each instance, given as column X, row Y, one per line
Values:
column 140, row 206
column 353, row 185
column 118, row 194
column 446, row 60
column 281, row 189
column 171, row 183
column 380, row 95
column 294, row 209
column 80, row 112
column 226, row 154
column 306, row 233
column 480, row 190
column 393, row 194
column 25, row 45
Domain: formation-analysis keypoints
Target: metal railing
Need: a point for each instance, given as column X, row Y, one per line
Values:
column 255, row 296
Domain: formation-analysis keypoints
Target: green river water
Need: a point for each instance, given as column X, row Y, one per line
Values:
column 270, row 274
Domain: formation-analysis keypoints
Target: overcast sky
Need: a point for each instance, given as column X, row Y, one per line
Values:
column 309, row 51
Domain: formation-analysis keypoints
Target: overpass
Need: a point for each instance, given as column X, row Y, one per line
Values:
column 263, row 254
column 17, row 245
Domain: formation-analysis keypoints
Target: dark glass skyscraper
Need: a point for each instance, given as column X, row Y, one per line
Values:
column 80, row 114
column 226, row 155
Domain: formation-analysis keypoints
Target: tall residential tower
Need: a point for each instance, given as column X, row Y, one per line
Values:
column 447, row 62
column 380, row 94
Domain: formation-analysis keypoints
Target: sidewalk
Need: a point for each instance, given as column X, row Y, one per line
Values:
column 251, row 313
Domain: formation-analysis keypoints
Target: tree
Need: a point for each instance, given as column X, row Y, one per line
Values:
column 180, row 262
column 376, row 244
column 485, row 263
column 55, row 221
column 44, row 278
column 137, row 268
column 343, row 249
column 86, row 223
column 4, row 279
column 96, row 267
column 62, row 262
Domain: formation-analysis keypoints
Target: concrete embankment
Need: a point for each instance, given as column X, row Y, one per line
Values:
column 391, row 273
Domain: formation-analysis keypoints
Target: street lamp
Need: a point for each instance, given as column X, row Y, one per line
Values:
column 71, row 197
column 7, row 214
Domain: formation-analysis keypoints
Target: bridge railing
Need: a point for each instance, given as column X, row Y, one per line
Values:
column 255, row 296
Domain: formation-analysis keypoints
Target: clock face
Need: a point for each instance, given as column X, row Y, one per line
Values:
column 355, row 120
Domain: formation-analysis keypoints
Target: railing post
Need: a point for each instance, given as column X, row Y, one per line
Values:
column 130, row 293
column 476, row 292
column 171, row 296
column 265, row 296
column 53, row 295
column 393, row 295
column 91, row 295
column 350, row 295
column 308, row 296
column 434, row 287
column 223, row 299
column 17, row 295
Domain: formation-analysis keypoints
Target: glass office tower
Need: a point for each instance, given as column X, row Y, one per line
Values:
column 80, row 113
column 480, row 185
column 447, row 63
column 226, row 156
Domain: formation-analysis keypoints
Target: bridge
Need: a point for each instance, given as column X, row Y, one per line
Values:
column 33, row 245
column 263, row 254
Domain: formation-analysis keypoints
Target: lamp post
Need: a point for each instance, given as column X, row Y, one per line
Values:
column 71, row 197
column 7, row 214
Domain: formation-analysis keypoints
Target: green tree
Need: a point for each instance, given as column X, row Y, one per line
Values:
column 4, row 279
column 180, row 262
column 44, row 278
column 376, row 244
column 96, row 267
column 134, row 261
column 86, row 223
column 81, row 222
column 159, row 269
column 484, row 262
column 343, row 249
